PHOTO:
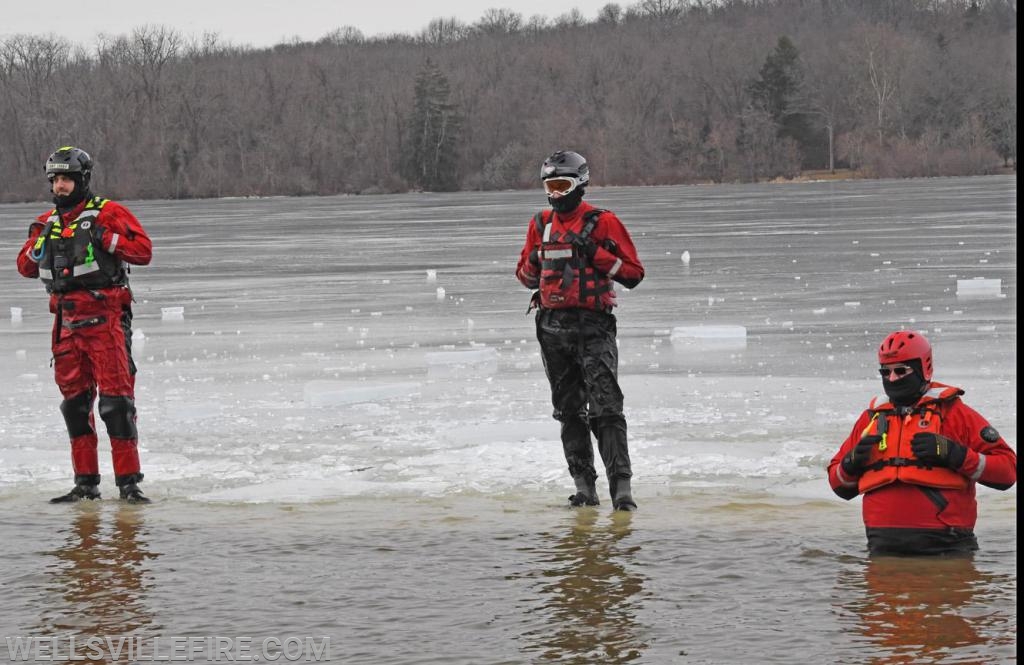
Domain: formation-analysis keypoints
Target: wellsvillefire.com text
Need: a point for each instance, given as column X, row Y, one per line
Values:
column 137, row 649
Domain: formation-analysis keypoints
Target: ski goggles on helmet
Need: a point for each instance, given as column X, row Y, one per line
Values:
column 560, row 185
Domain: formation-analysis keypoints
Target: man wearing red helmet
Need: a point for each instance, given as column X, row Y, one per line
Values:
column 572, row 255
column 81, row 251
column 916, row 455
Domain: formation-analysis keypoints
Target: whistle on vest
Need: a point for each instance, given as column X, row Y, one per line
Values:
column 881, row 428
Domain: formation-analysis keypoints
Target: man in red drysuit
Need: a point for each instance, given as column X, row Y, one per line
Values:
column 80, row 251
column 916, row 455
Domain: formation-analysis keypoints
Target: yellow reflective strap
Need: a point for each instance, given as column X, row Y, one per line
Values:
column 867, row 429
column 884, row 443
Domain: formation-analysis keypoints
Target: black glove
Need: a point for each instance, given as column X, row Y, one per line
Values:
column 937, row 450
column 856, row 461
column 534, row 258
column 96, row 232
column 585, row 246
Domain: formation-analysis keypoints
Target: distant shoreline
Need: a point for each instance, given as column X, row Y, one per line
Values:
column 808, row 176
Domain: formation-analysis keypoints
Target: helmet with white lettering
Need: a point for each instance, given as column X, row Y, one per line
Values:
column 70, row 161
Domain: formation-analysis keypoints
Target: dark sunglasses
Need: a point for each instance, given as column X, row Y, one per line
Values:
column 900, row 371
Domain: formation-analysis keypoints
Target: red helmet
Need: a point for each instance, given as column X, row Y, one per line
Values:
column 904, row 345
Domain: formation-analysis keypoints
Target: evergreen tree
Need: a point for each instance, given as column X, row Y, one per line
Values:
column 778, row 91
column 433, row 133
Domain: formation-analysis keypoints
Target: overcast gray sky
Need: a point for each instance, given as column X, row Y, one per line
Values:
column 260, row 22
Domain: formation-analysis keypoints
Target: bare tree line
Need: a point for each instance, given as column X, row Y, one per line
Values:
column 663, row 91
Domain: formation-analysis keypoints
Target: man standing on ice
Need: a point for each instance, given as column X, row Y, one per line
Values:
column 572, row 255
column 80, row 250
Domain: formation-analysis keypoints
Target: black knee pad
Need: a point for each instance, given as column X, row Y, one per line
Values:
column 118, row 413
column 76, row 412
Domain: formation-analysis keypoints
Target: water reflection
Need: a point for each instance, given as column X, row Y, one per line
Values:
column 928, row 609
column 99, row 576
column 590, row 592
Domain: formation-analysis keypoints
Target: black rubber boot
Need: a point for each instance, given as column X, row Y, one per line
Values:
column 611, row 441
column 130, row 492
column 86, row 487
column 579, row 454
column 586, row 493
column 622, row 496
column 579, row 451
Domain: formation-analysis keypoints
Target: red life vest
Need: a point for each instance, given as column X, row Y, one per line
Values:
column 892, row 459
column 567, row 279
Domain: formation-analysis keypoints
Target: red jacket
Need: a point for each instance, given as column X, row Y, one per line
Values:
column 615, row 258
column 123, row 236
column 990, row 461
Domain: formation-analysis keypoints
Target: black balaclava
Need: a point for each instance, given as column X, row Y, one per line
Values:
column 908, row 389
column 66, row 203
column 568, row 203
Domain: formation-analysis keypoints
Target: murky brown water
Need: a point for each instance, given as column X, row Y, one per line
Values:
column 693, row 578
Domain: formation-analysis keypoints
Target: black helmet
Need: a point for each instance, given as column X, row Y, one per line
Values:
column 566, row 163
column 70, row 160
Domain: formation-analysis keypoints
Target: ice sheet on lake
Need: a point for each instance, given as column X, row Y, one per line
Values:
column 979, row 287
column 339, row 393
column 346, row 371
column 478, row 361
column 172, row 313
column 305, row 490
column 709, row 337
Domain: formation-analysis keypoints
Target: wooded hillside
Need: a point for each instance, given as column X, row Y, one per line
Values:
column 663, row 91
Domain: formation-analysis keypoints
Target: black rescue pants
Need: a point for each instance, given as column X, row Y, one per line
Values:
column 909, row 542
column 581, row 361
